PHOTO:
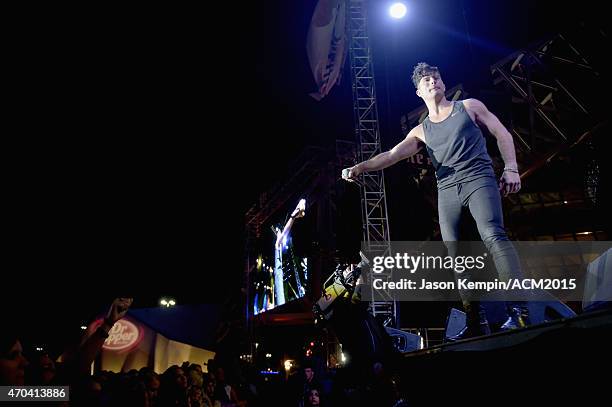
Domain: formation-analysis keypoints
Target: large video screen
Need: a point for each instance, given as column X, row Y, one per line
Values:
column 281, row 271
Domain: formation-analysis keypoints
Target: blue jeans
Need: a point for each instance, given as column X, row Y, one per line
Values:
column 482, row 197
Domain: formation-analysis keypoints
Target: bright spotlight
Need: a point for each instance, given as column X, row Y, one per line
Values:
column 397, row 10
column 167, row 302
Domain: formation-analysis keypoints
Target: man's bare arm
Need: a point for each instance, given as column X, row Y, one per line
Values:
column 483, row 116
column 406, row 148
column 497, row 129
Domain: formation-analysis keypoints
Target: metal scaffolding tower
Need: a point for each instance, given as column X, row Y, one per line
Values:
column 373, row 200
column 549, row 113
column 555, row 119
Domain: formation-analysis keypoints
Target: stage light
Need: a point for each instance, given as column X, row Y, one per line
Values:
column 39, row 349
column 311, row 343
column 397, row 10
column 288, row 364
column 268, row 355
column 343, row 357
column 83, row 327
column 302, row 205
column 167, row 302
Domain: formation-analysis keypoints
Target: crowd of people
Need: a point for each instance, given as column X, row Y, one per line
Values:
column 219, row 384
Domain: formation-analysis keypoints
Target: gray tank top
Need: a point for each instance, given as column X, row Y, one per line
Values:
column 457, row 148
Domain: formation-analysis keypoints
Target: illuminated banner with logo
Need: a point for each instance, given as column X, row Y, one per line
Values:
column 132, row 345
column 124, row 336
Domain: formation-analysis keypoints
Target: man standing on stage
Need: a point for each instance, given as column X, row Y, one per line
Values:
column 465, row 176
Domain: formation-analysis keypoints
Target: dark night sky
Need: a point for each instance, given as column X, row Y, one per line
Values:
column 142, row 139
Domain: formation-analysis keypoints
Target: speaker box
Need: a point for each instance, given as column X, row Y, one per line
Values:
column 405, row 341
column 598, row 283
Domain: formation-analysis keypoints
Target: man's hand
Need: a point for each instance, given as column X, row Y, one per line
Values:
column 118, row 309
column 509, row 183
column 351, row 174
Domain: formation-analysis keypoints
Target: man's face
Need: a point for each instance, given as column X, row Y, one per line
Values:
column 430, row 86
column 309, row 373
column 210, row 388
column 153, row 387
column 181, row 379
column 154, row 383
column 196, row 393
